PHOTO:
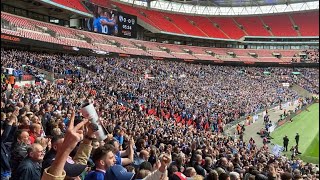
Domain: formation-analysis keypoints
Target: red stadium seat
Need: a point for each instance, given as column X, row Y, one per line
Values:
column 252, row 25
column 74, row 4
column 308, row 23
column 280, row 25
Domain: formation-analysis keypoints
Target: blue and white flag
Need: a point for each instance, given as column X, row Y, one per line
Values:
column 276, row 150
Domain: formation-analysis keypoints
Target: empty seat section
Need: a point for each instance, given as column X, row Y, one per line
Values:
column 240, row 52
column 124, row 42
column 109, row 48
column 164, row 24
column 205, row 57
column 228, row 26
column 264, row 52
column 308, row 23
column 280, row 25
column 172, row 48
column 39, row 36
column 148, row 45
column 219, row 51
column 207, row 26
column 60, row 30
column 248, row 59
column 196, row 50
column 183, row 55
column 14, row 33
column 288, row 53
column 184, row 24
column 95, row 37
column 269, row 59
column 135, row 51
column 136, row 11
column 74, row 4
column 160, row 54
column 77, row 43
column 252, row 25
column 18, row 21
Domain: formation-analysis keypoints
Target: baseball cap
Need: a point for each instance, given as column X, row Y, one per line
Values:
column 117, row 172
column 71, row 168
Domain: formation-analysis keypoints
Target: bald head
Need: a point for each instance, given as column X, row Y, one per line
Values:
column 224, row 161
column 144, row 154
column 234, row 176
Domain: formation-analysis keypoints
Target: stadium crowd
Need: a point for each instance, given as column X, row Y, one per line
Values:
column 310, row 56
column 163, row 120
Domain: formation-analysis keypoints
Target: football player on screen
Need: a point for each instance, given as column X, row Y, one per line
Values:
column 104, row 24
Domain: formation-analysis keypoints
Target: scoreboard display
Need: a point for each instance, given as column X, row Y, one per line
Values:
column 127, row 25
column 111, row 22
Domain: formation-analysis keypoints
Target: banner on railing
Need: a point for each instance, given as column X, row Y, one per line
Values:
column 276, row 150
column 272, row 128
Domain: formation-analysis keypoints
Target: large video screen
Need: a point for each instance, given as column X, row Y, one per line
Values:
column 111, row 22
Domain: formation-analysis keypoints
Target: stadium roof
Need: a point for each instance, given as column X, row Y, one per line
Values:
column 237, row 3
column 228, row 7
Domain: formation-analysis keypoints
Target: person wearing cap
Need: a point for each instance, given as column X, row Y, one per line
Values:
column 103, row 158
column 30, row 167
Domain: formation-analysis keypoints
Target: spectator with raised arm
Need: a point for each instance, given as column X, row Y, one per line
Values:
column 73, row 136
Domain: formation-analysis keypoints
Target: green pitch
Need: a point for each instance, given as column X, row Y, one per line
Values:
column 307, row 125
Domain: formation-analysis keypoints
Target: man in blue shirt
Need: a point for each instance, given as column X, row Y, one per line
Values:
column 120, row 155
column 103, row 158
column 104, row 24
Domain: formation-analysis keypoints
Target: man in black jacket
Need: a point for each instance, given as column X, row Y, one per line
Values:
column 197, row 166
column 285, row 142
column 19, row 150
column 30, row 167
column 297, row 139
column 5, row 155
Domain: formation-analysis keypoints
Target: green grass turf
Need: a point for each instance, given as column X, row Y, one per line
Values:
column 312, row 153
column 307, row 125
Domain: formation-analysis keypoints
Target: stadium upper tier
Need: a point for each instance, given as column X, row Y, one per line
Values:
column 229, row 27
column 289, row 24
column 37, row 30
